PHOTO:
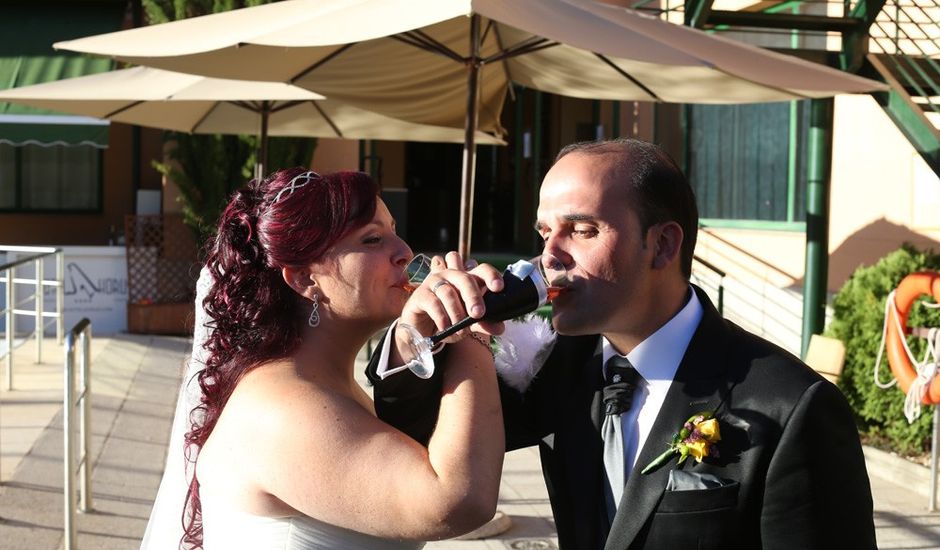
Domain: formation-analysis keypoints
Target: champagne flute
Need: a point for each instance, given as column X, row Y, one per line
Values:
column 527, row 285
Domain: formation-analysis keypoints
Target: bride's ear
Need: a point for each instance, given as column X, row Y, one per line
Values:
column 300, row 280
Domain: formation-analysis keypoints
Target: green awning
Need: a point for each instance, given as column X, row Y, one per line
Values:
column 26, row 57
column 51, row 129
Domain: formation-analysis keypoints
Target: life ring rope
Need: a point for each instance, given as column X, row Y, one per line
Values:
column 889, row 301
column 924, row 371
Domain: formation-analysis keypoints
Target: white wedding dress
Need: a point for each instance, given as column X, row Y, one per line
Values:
column 226, row 528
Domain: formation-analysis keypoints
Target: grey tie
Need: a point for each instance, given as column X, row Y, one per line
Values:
column 621, row 380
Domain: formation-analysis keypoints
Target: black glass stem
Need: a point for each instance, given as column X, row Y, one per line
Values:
column 518, row 297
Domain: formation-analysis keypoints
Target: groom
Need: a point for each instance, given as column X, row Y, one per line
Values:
column 788, row 470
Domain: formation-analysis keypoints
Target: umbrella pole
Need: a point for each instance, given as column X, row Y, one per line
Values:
column 469, row 145
column 263, row 141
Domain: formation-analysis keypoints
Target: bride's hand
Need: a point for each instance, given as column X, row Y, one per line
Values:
column 449, row 294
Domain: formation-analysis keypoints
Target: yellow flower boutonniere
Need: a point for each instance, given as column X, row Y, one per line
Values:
column 697, row 437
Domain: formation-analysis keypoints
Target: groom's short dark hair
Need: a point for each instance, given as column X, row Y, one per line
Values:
column 661, row 190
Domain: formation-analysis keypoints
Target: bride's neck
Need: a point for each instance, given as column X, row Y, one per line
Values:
column 330, row 352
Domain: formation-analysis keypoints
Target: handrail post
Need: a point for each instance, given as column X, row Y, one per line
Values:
column 8, row 276
column 721, row 296
column 82, row 331
column 934, row 452
column 60, row 296
column 721, row 281
column 68, row 445
column 86, row 504
column 10, row 328
column 38, row 307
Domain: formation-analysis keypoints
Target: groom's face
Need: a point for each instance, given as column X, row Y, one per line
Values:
column 586, row 218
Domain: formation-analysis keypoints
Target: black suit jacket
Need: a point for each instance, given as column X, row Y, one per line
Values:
column 790, row 460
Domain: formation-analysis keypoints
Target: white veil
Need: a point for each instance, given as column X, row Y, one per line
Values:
column 165, row 528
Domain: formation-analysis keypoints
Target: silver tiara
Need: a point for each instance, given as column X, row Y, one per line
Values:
column 297, row 182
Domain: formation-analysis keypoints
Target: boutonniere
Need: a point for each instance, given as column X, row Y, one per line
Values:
column 697, row 437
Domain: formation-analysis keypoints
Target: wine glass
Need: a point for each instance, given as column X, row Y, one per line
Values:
column 527, row 285
column 417, row 271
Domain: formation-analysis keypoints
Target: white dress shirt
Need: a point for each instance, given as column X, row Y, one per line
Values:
column 656, row 359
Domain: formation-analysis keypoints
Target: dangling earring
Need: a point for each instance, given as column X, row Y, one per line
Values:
column 314, row 320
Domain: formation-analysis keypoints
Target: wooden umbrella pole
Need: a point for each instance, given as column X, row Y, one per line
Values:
column 469, row 146
column 261, row 163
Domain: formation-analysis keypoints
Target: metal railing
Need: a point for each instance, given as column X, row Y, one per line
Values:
column 719, row 286
column 908, row 30
column 82, row 333
column 37, row 256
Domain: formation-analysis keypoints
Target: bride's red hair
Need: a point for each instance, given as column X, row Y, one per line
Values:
column 289, row 219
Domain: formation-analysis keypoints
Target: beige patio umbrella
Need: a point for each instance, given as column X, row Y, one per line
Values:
column 194, row 104
column 449, row 62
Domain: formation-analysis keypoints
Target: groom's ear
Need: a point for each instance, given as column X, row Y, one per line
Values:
column 666, row 243
column 300, row 280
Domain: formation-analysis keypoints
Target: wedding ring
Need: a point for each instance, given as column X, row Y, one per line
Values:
column 438, row 285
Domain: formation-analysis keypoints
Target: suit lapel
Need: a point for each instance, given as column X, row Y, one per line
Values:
column 583, row 449
column 699, row 385
column 586, row 455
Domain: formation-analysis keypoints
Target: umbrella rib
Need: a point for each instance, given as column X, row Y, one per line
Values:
column 203, row 118
column 414, row 43
column 122, row 109
column 286, row 105
column 628, row 76
column 437, row 44
column 530, row 45
column 245, row 105
column 486, row 31
column 499, row 44
column 316, row 65
column 326, row 118
column 777, row 88
column 422, row 40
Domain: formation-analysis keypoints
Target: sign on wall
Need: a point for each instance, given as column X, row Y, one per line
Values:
column 95, row 286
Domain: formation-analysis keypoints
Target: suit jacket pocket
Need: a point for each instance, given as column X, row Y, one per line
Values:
column 700, row 519
column 701, row 500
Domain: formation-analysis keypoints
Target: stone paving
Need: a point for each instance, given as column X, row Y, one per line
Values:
column 134, row 386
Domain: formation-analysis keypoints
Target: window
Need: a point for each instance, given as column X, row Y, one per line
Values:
column 56, row 178
column 747, row 162
column 51, row 162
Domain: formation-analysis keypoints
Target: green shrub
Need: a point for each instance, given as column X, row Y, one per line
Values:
column 209, row 168
column 858, row 321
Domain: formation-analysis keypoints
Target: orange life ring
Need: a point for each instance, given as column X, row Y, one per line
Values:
column 911, row 287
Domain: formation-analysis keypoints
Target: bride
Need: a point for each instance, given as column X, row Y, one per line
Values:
column 283, row 449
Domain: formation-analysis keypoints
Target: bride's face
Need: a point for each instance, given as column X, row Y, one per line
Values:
column 361, row 277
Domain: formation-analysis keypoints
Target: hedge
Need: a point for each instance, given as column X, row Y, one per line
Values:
column 858, row 321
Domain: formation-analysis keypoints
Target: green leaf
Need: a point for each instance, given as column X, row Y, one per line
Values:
column 683, row 453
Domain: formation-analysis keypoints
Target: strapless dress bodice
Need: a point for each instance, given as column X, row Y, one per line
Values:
column 226, row 528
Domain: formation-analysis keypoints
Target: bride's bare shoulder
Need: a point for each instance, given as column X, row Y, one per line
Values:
column 280, row 397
